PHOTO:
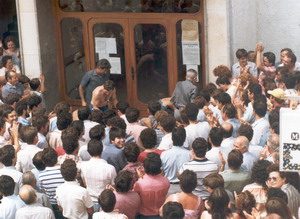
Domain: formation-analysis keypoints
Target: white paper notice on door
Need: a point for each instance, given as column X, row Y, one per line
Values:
column 115, row 63
column 289, row 150
column 190, row 53
column 105, row 45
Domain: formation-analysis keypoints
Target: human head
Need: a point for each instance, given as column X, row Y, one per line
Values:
column 69, row 138
column 131, row 152
column 223, row 82
column 9, row 114
column 123, row 181
column 95, row 148
column 83, row 113
column 34, row 84
column 152, row 164
column 49, row 157
column 61, row 107
column 68, row 170
column 109, row 85
column 153, row 107
column 41, row 123
column 132, row 114
column 277, row 193
column 107, row 200
column 277, row 96
column 246, row 130
column 178, row 136
column 34, row 101
column 12, row 99
column 79, row 126
column 7, row 185
column 199, row 147
column 283, row 53
column 259, row 173
column 242, row 55
column 97, row 116
column 10, row 42
column 168, row 123
column 218, row 201
column 38, row 162
column 276, row 178
column 245, row 201
column 216, row 136
column 269, row 59
column 117, row 136
column 11, row 77
column 7, row 62
column 254, row 90
column 173, row 210
column 28, row 134
column 103, row 66
column 251, row 57
column 191, row 111
column 117, row 122
column 241, row 143
column 27, row 194
column 191, row 75
column 273, row 143
column 260, row 108
column 235, row 159
column 222, row 99
column 8, row 155
column 289, row 59
column 278, row 206
column 229, row 111
column 64, row 119
column 213, row 181
column 122, row 106
column 28, row 178
column 222, row 70
column 97, row 132
column 148, row 138
column 188, row 181
column 227, row 129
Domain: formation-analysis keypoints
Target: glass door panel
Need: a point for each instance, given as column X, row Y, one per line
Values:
column 150, row 43
column 109, row 43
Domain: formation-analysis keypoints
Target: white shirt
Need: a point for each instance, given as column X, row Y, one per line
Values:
column 54, row 139
column 260, row 132
column 42, row 143
column 88, row 124
column 213, row 155
column 34, row 211
column 9, row 205
column 74, row 200
column 24, row 157
column 110, row 215
column 232, row 91
column 97, row 173
column 13, row 173
column 193, row 131
column 167, row 143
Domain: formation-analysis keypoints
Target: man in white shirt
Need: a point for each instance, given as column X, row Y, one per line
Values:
column 195, row 129
column 215, row 139
column 8, row 159
column 32, row 209
column 96, row 173
column 71, row 197
column 10, row 203
column 28, row 135
column 224, row 84
column 243, row 66
column 227, row 142
column 242, row 144
column 83, row 115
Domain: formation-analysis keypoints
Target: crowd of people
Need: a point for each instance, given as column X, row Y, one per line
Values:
column 203, row 153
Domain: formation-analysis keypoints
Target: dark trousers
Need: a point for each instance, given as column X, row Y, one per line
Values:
column 57, row 212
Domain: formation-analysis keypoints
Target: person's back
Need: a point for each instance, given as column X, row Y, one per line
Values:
column 96, row 173
column 152, row 187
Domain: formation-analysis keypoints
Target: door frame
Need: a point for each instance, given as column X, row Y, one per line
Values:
column 170, row 18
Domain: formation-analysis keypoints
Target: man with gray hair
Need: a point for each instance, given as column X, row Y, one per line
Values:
column 32, row 209
column 241, row 143
column 185, row 91
column 28, row 178
column 271, row 150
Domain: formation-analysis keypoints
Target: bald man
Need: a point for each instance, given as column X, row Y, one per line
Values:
column 241, row 143
column 32, row 210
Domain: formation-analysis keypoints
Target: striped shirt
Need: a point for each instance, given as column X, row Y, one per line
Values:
column 50, row 179
column 202, row 168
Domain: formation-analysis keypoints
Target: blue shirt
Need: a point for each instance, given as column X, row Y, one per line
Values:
column 12, row 89
column 235, row 125
column 90, row 81
column 260, row 132
column 114, row 156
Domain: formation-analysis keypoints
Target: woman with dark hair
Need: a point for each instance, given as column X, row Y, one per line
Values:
column 258, row 188
column 192, row 204
column 244, row 201
column 217, row 205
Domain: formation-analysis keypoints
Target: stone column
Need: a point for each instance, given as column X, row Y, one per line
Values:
column 29, row 37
